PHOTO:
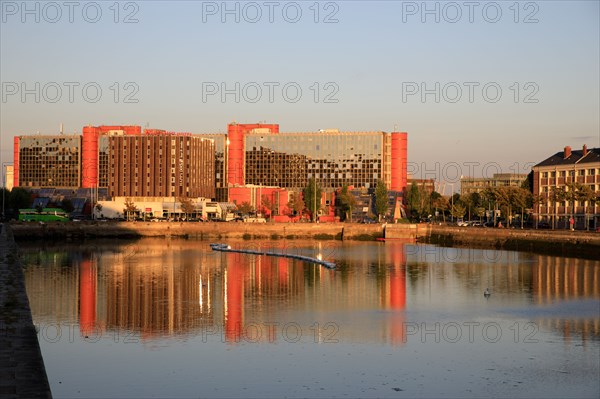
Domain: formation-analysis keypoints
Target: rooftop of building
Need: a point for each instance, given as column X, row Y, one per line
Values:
column 326, row 132
column 496, row 176
column 572, row 157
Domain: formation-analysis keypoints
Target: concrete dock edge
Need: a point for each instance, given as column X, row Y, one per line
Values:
column 22, row 371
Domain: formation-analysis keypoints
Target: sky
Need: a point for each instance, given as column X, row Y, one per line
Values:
column 480, row 87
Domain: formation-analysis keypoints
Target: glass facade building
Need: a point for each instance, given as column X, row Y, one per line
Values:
column 47, row 161
column 130, row 162
column 220, row 168
column 289, row 160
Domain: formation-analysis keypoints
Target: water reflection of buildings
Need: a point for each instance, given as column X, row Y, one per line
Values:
column 441, row 273
column 576, row 279
column 159, row 288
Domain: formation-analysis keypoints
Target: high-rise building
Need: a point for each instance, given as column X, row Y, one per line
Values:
column 128, row 162
column 160, row 165
column 221, row 157
column 95, row 157
column 258, row 154
column 47, row 161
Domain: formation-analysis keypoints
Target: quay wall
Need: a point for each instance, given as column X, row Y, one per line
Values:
column 558, row 242
column 22, row 370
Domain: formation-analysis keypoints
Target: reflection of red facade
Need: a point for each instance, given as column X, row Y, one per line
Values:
column 234, row 315
column 397, row 291
column 87, row 297
column 89, row 152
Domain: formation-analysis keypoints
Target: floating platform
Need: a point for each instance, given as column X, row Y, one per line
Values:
column 227, row 248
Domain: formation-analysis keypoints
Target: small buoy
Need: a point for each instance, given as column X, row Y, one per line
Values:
column 486, row 293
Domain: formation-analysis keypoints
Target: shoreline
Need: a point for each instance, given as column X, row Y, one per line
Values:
column 580, row 244
column 577, row 244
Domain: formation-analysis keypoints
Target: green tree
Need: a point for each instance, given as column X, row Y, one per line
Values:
column 413, row 200
column 471, row 201
column 347, row 202
column 267, row 204
column 480, row 211
column 439, row 202
column 187, row 206
column 521, row 198
column 296, row 203
column 67, row 205
column 588, row 197
column 19, row 198
column 504, row 200
column 381, row 199
column 528, row 182
column 312, row 197
column 245, row 208
column 130, row 208
column 4, row 199
column 458, row 210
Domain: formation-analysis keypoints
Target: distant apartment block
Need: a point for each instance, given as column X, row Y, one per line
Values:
column 558, row 173
column 427, row 184
column 470, row 185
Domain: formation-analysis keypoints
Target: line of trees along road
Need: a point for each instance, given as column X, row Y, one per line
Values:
column 509, row 200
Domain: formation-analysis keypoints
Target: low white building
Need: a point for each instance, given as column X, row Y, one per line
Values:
column 149, row 207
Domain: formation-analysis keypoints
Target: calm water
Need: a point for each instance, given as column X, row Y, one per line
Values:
column 171, row 318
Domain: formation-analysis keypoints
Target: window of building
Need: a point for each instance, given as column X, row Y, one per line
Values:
column 562, row 173
column 591, row 172
column 544, row 175
column 552, row 174
column 581, row 172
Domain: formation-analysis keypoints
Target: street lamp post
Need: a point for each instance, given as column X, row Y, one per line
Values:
column 315, row 203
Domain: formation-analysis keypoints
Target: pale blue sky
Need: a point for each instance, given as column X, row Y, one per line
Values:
column 370, row 54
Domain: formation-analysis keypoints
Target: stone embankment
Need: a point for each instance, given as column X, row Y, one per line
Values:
column 580, row 244
column 205, row 231
column 565, row 243
column 22, row 371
